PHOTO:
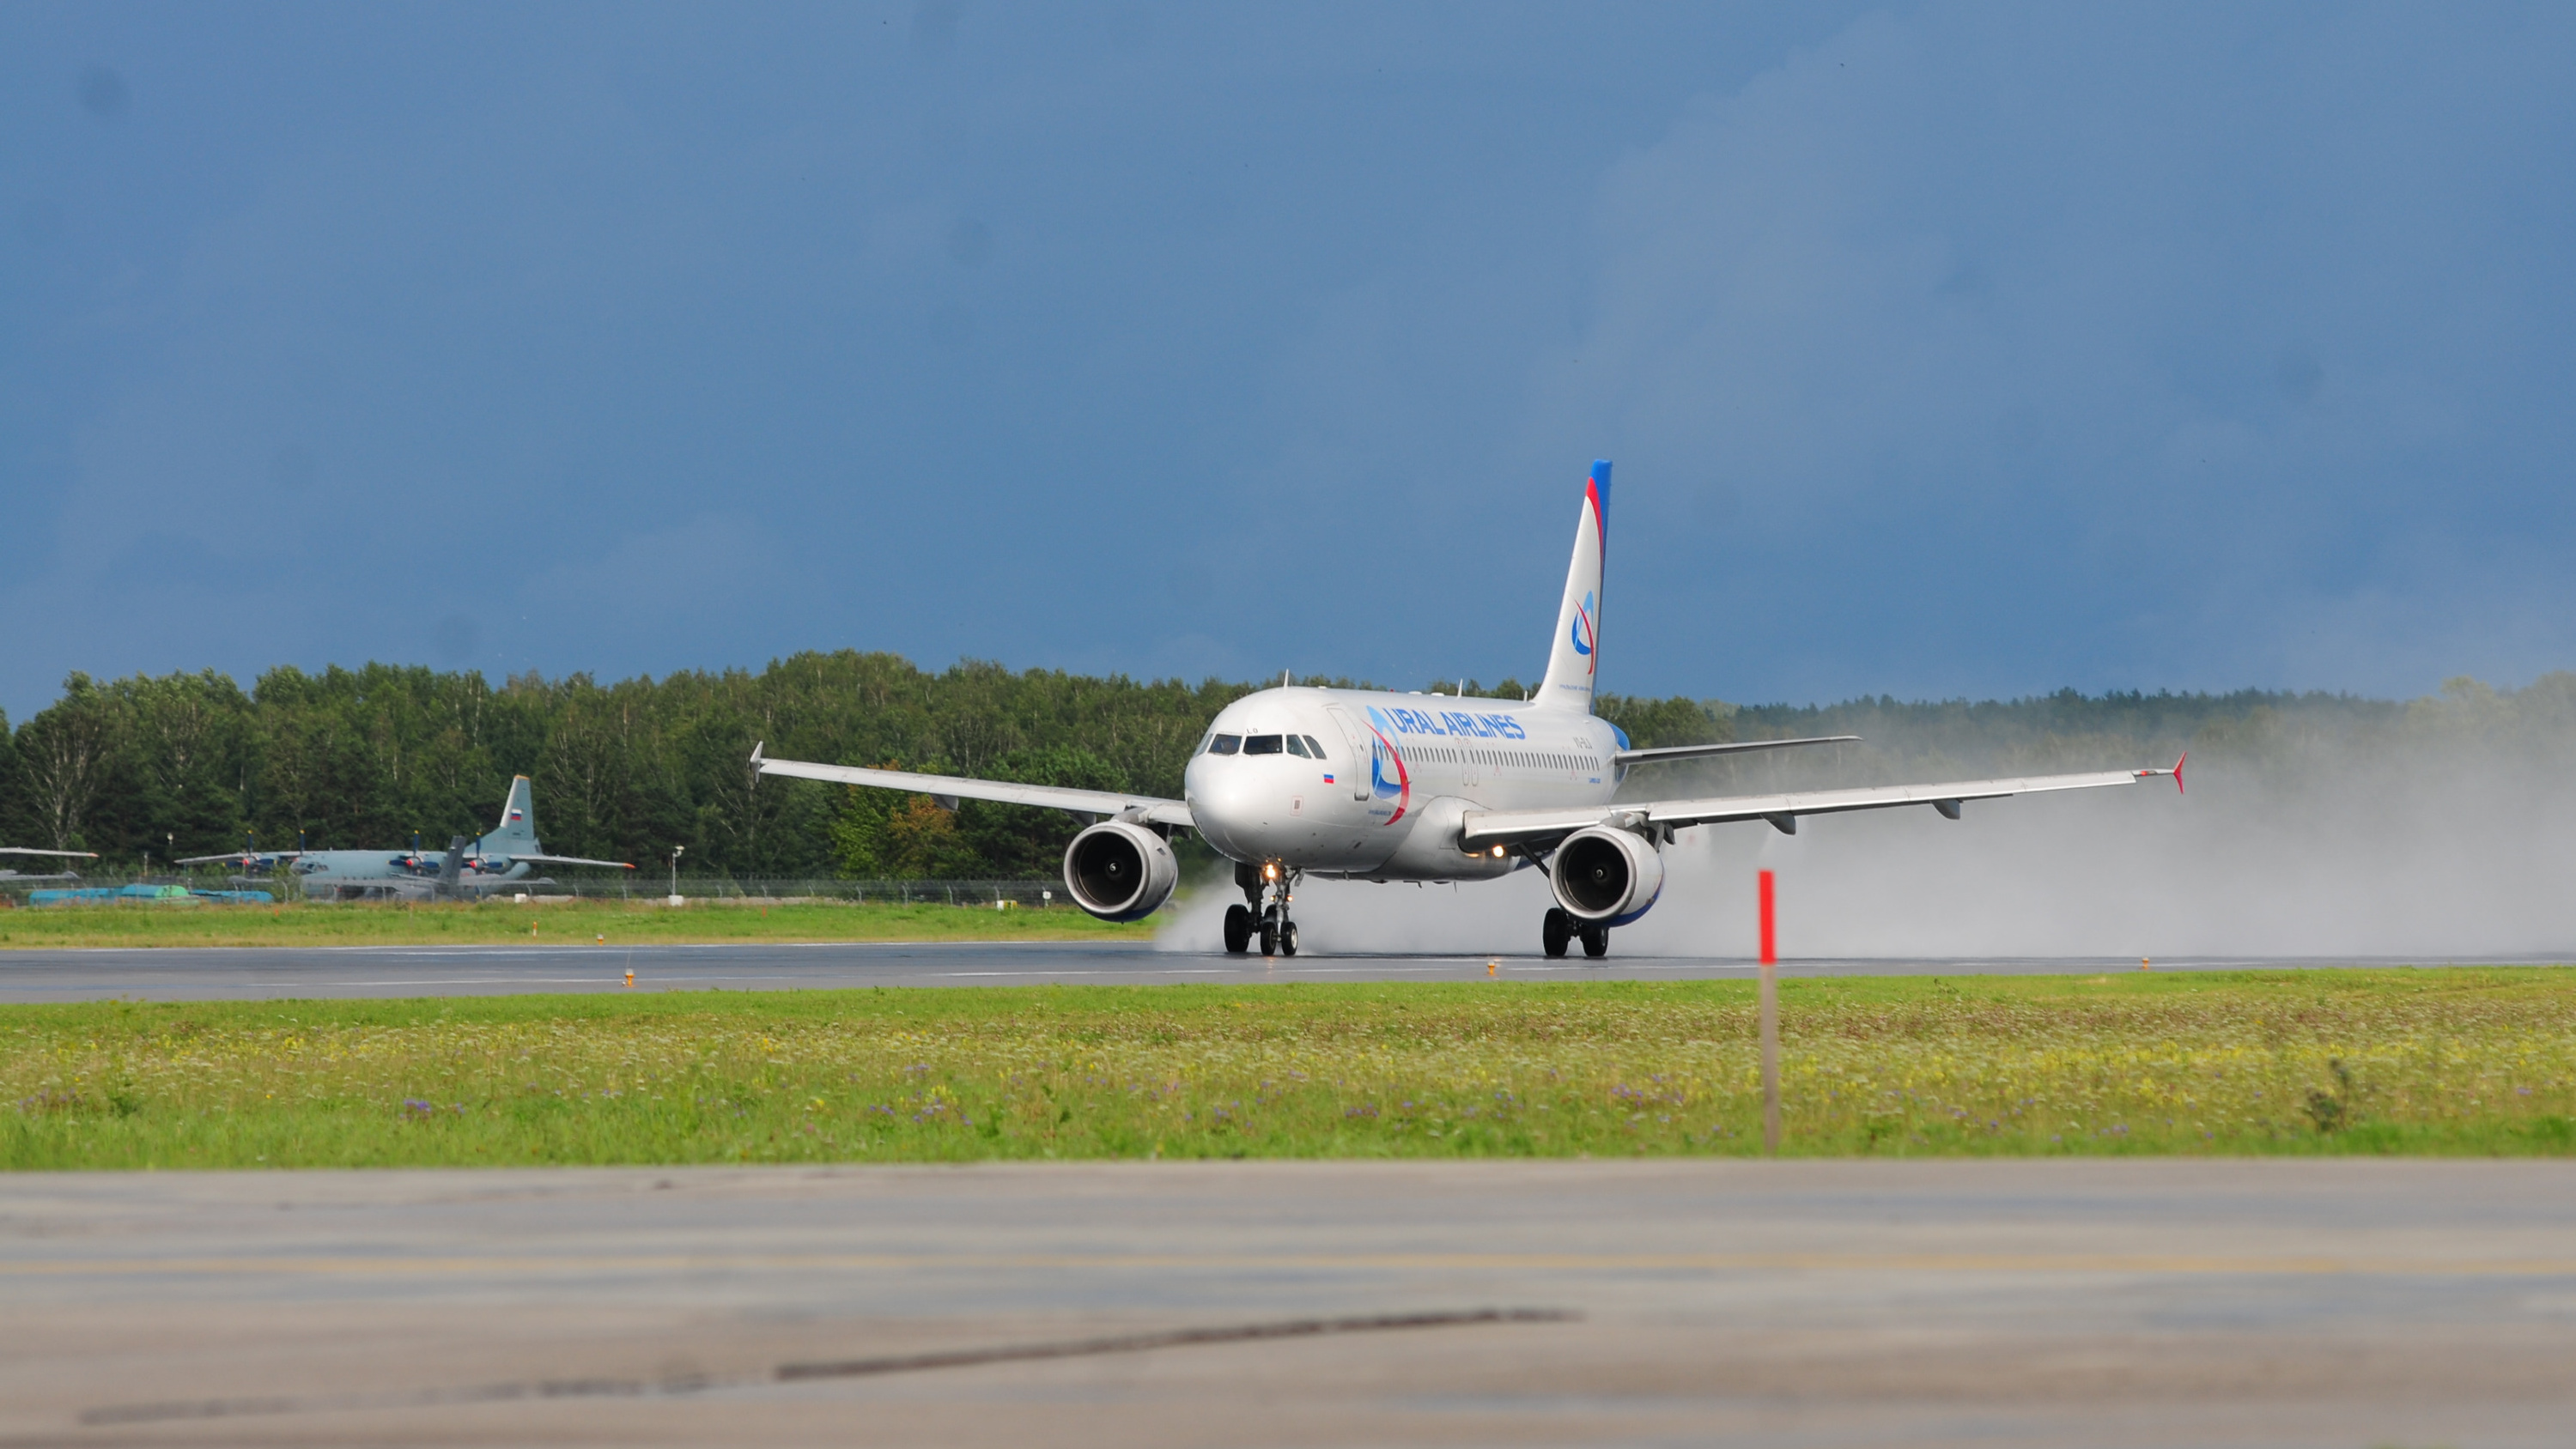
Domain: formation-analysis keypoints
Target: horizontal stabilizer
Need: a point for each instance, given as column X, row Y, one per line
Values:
column 1735, row 747
column 564, row 860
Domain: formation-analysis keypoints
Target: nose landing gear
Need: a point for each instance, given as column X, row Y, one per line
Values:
column 1278, row 934
column 1264, row 912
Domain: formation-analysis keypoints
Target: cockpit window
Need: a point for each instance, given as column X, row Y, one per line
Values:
column 1297, row 746
column 1262, row 744
column 1225, row 744
column 1315, row 747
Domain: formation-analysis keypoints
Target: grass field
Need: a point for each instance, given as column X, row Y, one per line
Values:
column 2470, row 1061
column 366, row 923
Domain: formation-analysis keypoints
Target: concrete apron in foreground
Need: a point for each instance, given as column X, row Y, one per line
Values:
column 2107, row 1302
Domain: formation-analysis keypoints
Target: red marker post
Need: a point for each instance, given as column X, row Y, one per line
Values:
column 1770, row 927
column 1770, row 1021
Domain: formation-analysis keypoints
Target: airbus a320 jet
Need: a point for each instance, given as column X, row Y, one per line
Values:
column 1367, row 785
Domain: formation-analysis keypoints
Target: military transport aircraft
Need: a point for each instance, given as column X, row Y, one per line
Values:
column 491, row 862
column 1366, row 785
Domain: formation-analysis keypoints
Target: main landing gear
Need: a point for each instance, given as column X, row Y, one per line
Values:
column 1559, row 927
column 1264, row 912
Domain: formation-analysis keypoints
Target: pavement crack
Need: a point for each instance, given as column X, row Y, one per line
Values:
column 1169, row 1338
column 167, row 1411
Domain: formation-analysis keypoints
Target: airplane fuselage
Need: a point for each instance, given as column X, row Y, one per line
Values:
column 362, row 872
column 1342, row 782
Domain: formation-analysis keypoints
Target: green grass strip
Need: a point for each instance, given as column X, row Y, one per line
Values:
column 2457, row 1060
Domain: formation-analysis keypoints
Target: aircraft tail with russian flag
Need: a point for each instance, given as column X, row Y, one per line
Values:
column 517, row 833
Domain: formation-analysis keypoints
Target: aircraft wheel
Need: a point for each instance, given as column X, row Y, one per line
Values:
column 1554, row 930
column 1238, row 930
column 1269, row 938
column 1287, row 938
column 1596, row 941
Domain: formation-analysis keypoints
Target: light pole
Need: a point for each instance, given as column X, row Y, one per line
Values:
column 675, row 873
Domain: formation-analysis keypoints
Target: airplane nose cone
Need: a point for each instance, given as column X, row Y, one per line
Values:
column 1227, row 802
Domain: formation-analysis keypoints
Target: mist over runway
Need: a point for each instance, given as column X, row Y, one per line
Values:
column 252, row 973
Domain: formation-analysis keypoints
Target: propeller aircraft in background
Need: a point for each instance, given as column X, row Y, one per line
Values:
column 505, row 857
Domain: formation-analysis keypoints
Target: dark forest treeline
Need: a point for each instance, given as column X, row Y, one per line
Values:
column 2249, row 726
column 2285, row 739
column 185, row 764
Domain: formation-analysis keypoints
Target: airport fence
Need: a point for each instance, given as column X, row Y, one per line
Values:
column 644, row 886
column 756, row 890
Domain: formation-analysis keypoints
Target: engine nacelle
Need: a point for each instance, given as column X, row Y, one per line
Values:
column 1119, row 871
column 1606, row 877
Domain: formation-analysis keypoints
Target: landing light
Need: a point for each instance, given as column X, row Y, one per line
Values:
column 1498, row 852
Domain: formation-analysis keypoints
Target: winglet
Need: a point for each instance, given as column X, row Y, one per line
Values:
column 2176, row 772
column 755, row 752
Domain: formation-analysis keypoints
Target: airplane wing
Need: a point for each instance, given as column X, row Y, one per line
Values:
column 27, row 850
column 1735, row 747
column 565, row 860
column 949, row 789
column 1544, row 827
column 246, row 857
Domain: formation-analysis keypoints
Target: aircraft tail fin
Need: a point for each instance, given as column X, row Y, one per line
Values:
column 517, row 832
column 1574, row 655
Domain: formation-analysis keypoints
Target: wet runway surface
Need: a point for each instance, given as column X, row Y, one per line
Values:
column 2342, row 1303
column 249, row 973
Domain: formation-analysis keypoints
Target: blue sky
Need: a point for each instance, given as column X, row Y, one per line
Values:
column 1942, row 349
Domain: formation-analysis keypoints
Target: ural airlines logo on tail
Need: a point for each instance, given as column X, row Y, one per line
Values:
column 1574, row 654
column 1596, row 496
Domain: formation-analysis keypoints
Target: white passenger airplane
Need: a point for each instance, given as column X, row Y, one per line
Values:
column 1365, row 785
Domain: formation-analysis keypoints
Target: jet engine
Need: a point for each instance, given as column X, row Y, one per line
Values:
column 1120, row 871
column 1606, row 877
